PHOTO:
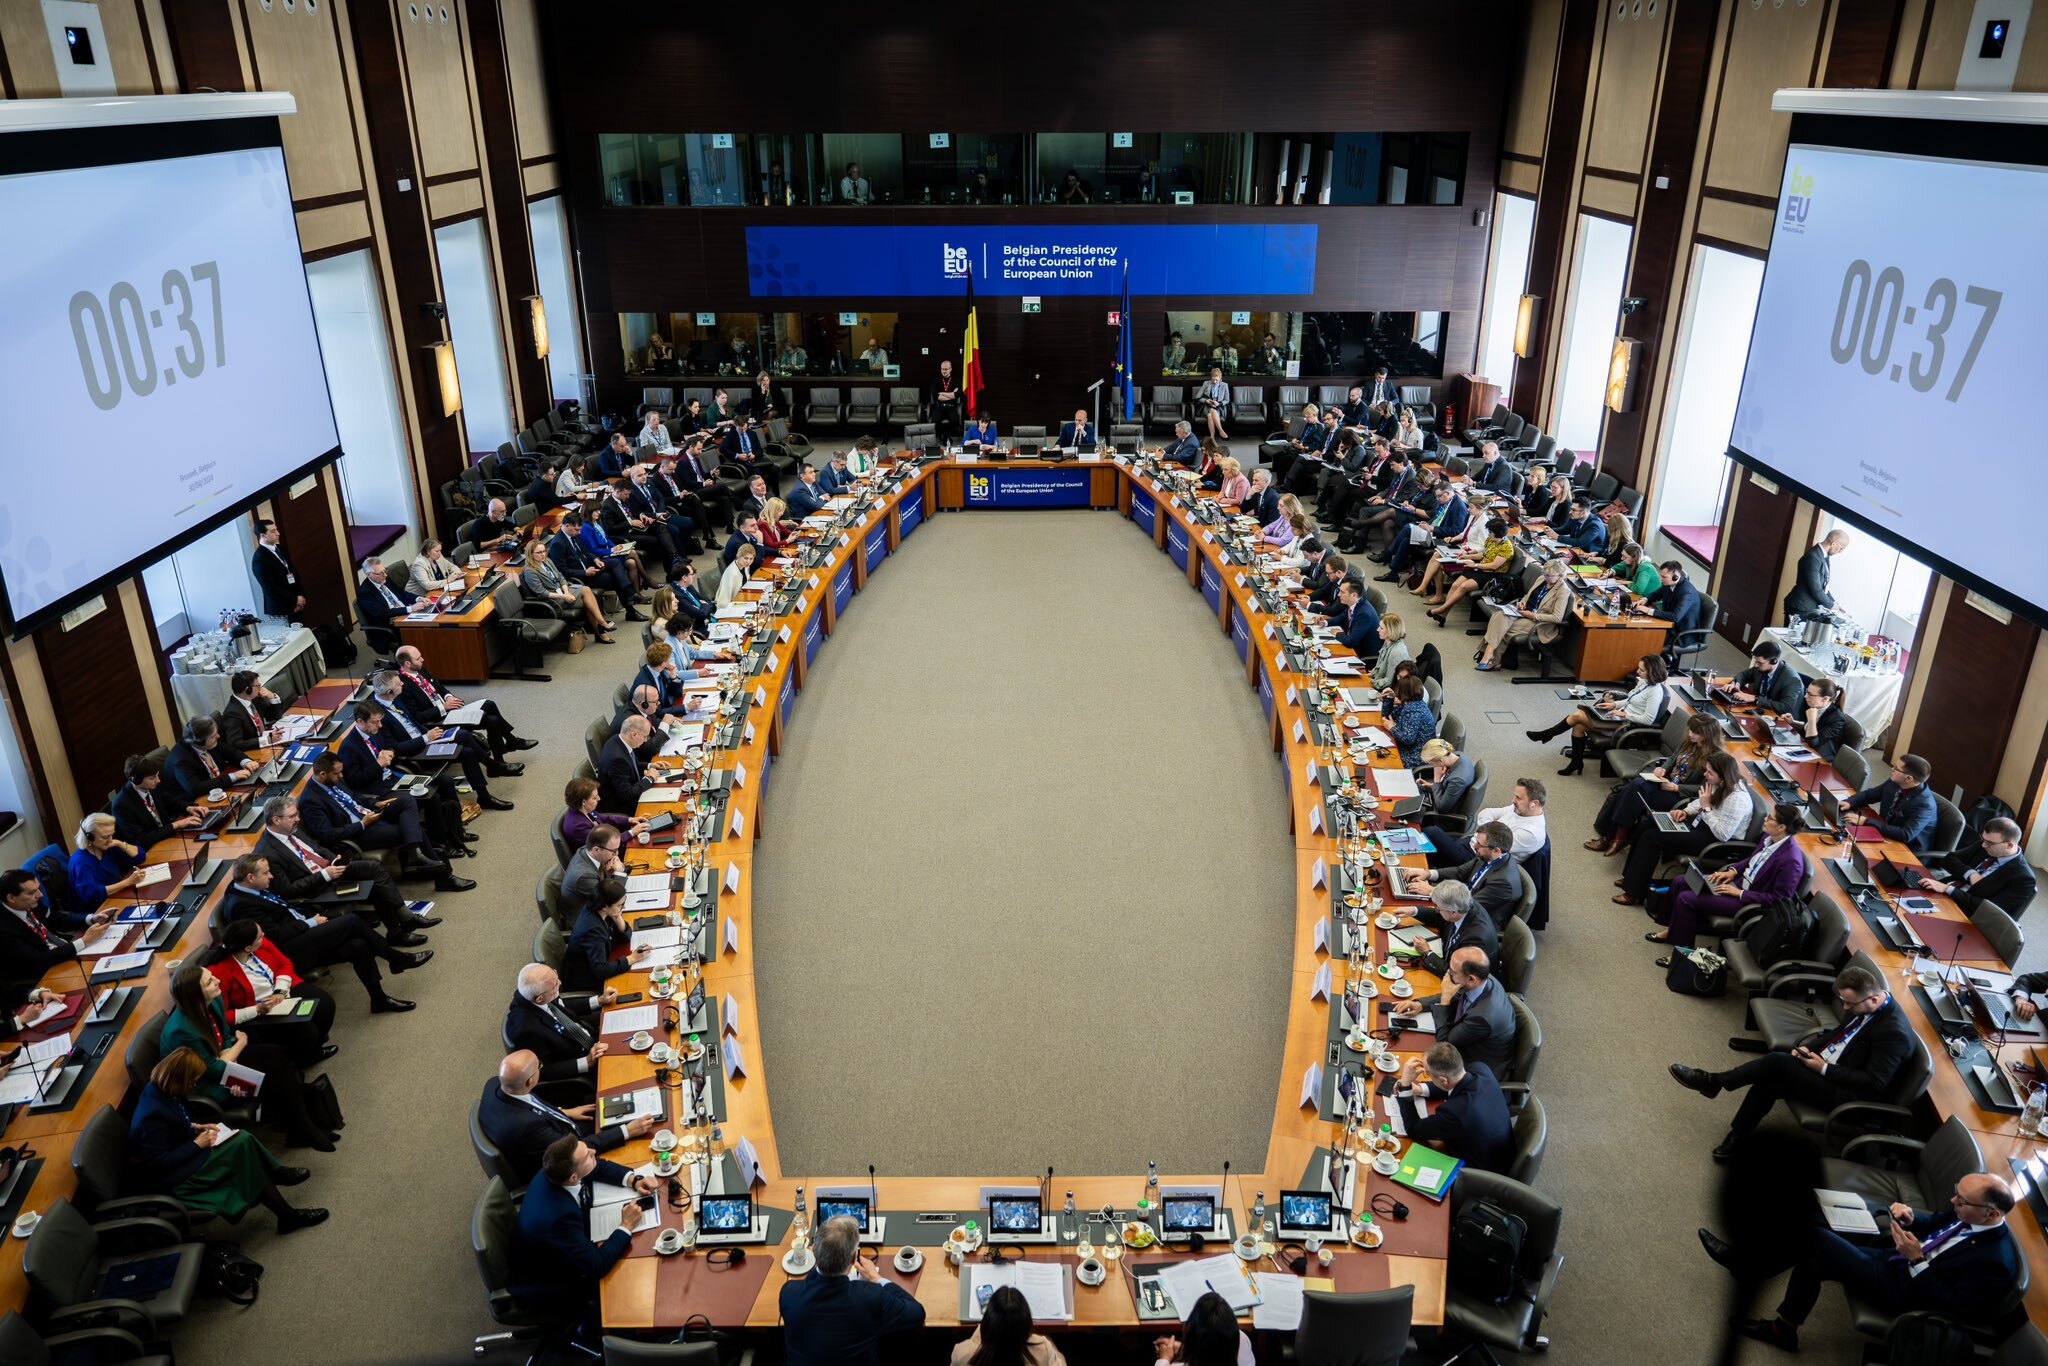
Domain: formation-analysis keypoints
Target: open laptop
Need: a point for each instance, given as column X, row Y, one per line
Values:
column 728, row 1220
column 858, row 1208
column 1854, row 870
column 1185, row 1215
column 1399, row 886
column 1015, row 1219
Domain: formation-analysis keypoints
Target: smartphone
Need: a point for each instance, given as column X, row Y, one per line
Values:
column 645, row 1202
column 627, row 998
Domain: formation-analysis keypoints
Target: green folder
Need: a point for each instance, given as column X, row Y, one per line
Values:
column 1426, row 1171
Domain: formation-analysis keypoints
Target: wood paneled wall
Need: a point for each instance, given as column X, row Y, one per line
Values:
column 1145, row 70
column 1696, row 84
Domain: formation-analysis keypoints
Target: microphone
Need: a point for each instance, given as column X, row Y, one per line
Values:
column 1046, row 1196
column 874, row 1200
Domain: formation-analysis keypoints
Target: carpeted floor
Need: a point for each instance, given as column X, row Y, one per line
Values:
column 1156, row 769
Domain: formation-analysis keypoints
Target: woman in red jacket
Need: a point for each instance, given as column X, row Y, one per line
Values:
column 252, row 970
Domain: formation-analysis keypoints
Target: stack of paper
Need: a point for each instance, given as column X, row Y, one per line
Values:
column 656, row 900
column 1394, row 783
column 103, row 942
column 1043, row 1285
column 631, row 1019
column 1280, row 1301
column 666, row 938
column 647, row 882
column 1224, row 1274
column 655, row 796
column 119, row 964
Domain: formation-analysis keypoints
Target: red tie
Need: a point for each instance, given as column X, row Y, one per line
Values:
column 37, row 926
column 425, row 686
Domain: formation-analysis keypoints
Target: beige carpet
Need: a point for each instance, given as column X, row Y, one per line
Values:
column 1026, row 895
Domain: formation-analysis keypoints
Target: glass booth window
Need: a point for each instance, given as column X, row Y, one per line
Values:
column 644, row 168
column 1357, row 344
column 1196, row 341
column 711, row 345
column 963, row 168
column 857, row 169
column 833, row 343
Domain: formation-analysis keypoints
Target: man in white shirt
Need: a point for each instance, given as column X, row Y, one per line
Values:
column 1523, row 815
column 853, row 186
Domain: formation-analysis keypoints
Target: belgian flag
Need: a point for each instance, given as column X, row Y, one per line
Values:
column 970, row 358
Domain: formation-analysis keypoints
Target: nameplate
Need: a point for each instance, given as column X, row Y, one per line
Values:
column 1310, row 770
column 1300, row 733
column 732, row 935
column 734, row 1066
column 1320, row 990
column 1293, row 694
column 1315, row 819
column 1322, row 938
column 739, row 822
column 1319, row 876
column 739, row 775
column 760, row 697
column 748, row 732
column 1208, row 538
column 748, row 1162
column 1269, row 630
column 783, row 635
column 732, row 877
column 732, row 1015
column 1311, row 1087
column 803, row 604
column 844, row 541
column 813, row 582
column 1242, row 580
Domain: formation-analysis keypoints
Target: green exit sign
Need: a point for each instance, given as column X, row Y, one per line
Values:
column 1031, row 303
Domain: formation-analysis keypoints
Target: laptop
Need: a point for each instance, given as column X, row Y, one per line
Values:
column 1187, row 1215
column 726, row 1220
column 1306, row 1212
column 1854, row 870
column 1019, row 1219
column 858, row 1208
column 1899, row 930
column 1397, row 885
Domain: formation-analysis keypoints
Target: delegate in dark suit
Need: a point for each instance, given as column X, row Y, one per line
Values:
column 1827, row 732
column 1475, row 931
column 834, row 1321
column 1266, row 508
column 279, row 583
column 1898, row 813
column 560, row 1034
column 161, row 1151
column 190, row 772
column 1779, row 689
column 553, row 1259
column 2008, row 883
column 1080, row 436
column 1470, row 1123
column 1360, row 631
column 1968, row 1275
column 1185, row 450
column 589, row 962
column 807, row 499
column 1496, row 886
column 523, row 1126
column 1873, row 1049
column 343, row 937
column 832, row 481
column 142, row 818
column 295, row 881
column 1496, row 477
column 1482, row 1028
column 243, row 721
column 620, row 780
column 1810, row 596
column 375, row 608
column 26, row 955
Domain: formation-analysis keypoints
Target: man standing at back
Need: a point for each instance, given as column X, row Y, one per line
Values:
column 831, row 1319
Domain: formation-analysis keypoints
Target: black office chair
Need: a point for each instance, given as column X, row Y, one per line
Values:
column 1516, row 965
column 145, row 1051
column 1516, row 1325
column 489, row 1155
column 2003, row 932
column 21, row 1345
column 1528, row 1049
column 99, row 1163
column 1825, row 947
column 1531, row 1135
column 550, row 944
column 69, row 1260
column 1639, row 748
column 1886, row 1169
column 1369, row 1329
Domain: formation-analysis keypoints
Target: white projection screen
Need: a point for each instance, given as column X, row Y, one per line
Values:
column 1898, row 332
column 160, row 369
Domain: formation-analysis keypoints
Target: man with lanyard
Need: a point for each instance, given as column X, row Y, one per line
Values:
column 314, row 939
column 334, row 815
column 304, row 872
column 380, row 603
column 1905, row 809
column 411, row 741
column 523, row 1125
column 412, row 667
column 1491, row 874
column 675, row 512
column 688, row 485
column 654, row 434
column 1447, row 523
column 1856, row 1060
column 280, row 583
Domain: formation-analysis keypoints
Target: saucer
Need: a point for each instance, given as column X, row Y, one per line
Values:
column 1369, row 989
column 659, row 1145
column 641, row 1042
column 1386, row 1164
column 661, row 1055
column 1402, row 988
column 1387, row 1062
column 909, row 1260
column 797, row 1263
column 1369, row 1237
column 1101, row 1273
column 26, row 1224
column 1386, row 920
column 1353, row 722
column 668, row 1163
column 1393, row 972
column 1248, row 1252
column 669, row 1243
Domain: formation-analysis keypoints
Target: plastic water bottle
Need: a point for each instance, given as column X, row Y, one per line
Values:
column 2037, row 1106
column 1259, row 1209
column 1152, row 1180
column 802, row 1220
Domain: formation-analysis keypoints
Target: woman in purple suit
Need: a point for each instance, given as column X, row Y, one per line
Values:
column 1773, row 872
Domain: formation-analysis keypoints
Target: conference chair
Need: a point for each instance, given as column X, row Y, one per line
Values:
column 145, row 1051
column 1169, row 405
column 1889, row 1169
column 595, row 736
column 1377, row 597
column 1582, row 477
column 1451, row 730
column 21, row 1345
column 1949, row 826
column 662, row 398
column 1509, row 433
column 1485, row 608
column 904, row 407
column 1327, row 394
column 1875, row 1320
column 69, row 1259
column 919, row 436
column 524, row 516
column 1516, row 1324
column 1531, row 1133
column 1639, row 748
column 1823, row 950
column 863, row 409
column 99, row 1163
column 1479, row 431
column 825, row 409
column 1682, row 645
column 1603, row 488
column 1463, row 818
column 1525, row 905
column 563, row 851
column 1543, row 452
column 1456, row 466
column 547, row 897
column 585, row 769
column 1516, row 965
column 493, row 1229
column 550, row 944
column 1854, row 768
column 1852, row 733
column 525, row 627
column 2003, row 932
column 1247, row 405
column 1528, row 1049
column 1433, row 695
column 1367, row 1329
column 464, row 550
column 1027, row 440
column 627, row 1352
column 1126, row 436
column 701, row 393
column 2027, row 1347
column 1631, row 501
column 489, row 1155
column 1292, row 397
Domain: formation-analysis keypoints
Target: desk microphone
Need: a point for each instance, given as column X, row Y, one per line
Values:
column 874, row 1200
column 1045, row 1197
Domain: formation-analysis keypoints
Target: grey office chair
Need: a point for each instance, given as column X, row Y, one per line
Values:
column 1169, row 405
column 1369, row 1329
column 2003, row 932
column 547, row 897
column 550, row 944
column 825, row 409
column 493, row 1229
column 863, row 408
column 1531, row 1135
column 1461, row 818
column 563, row 851
column 595, row 737
column 21, row 1345
column 904, row 407
column 2027, row 1347
column 1638, row 748
column 99, row 1162
column 1528, row 1049
column 626, row 1352
column 1949, row 828
column 489, row 1155
column 1247, row 405
column 1886, row 1169
column 919, row 435
column 1854, row 768
column 1451, row 730
column 1516, row 966
column 67, row 1266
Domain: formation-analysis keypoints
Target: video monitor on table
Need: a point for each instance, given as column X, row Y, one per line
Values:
column 1188, row 1213
column 1015, row 1214
column 726, row 1213
column 854, row 1207
column 1304, row 1212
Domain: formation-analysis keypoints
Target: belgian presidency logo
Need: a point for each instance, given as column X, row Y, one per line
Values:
column 980, row 488
column 1798, row 201
column 957, row 267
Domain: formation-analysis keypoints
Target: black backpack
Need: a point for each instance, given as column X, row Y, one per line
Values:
column 1780, row 931
column 1486, row 1249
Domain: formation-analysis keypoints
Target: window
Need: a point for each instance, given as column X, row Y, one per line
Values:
column 643, row 168
column 1692, row 475
column 554, row 270
column 1589, row 334
column 967, row 168
column 1208, row 339
column 1883, row 591
column 15, row 793
column 472, row 301
column 376, row 472
column 189, row 590
column 877, row 156
column 734, row 347
column 1514, row 220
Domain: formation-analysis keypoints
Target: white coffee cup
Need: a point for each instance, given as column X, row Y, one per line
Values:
column 1326, row 1256
column 217, row 795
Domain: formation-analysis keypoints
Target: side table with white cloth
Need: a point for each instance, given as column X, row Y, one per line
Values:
column 291, row 663
column 1868, row 697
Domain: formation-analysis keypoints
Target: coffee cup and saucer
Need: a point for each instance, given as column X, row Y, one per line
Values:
column 909, row 1260
column 1386, row 920
column 1091, row 1272
column 1386, row 1164
column 670, row 1242
column 797, row 1261
column 641, row 1042
column 1246, row 1247
column 661, row 1055
column 26, row 1224
column 1393, row 972
column 1403, row 989
column 1368, row 988
column 664, row 1140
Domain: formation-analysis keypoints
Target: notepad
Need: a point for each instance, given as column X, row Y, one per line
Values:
column 1280, row 1302
column 155, row 872
column 104, row 941
column 648, row 901
column 658, row 939
column 660, row 795
column 1394, row 782
column 631, row 1019
column 121, row 964
column 1043, row 1285
column 647, row 882
column 1845, row 1213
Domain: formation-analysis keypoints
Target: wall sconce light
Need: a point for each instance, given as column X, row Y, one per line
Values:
column 1621, row 374
column 538, row 312
column 1528, row 318
column 444, row 372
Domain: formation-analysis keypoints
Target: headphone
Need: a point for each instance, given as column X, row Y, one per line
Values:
column 725, row 1257
column 1394, row 1208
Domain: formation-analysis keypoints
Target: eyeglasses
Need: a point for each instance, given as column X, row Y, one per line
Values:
column 1957, row 1199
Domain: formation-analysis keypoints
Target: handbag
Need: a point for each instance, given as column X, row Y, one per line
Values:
column 697, row 1328
column 226, row 1271
column 323, row 1104
column 576, row 641
column 1695, row 972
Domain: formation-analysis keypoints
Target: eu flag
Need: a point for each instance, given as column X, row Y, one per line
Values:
column 1124, row 376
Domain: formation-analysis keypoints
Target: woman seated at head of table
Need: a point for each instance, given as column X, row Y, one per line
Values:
column 580, row 815
column 981, row 431
column 1409, row 719
column 266, row 995
column 103, row 866
column 736, row 574
column 600, row 928
column 1445, row 585
column 1443, row 776
column 174, row 1156
column 1643, row 705
column 1232, row 487
column 1772, row 873
column 1004, row 1336
column 1720, row 812
column 201, row 1022
column 1393, row 651
column 1661, row 786
column 431, row 570
column 1209, row 1337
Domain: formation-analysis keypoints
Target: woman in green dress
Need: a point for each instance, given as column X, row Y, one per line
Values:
column 220, row 1175
column 199, row 1020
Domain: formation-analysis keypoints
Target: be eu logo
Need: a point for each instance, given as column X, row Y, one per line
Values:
column 1798, row 201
